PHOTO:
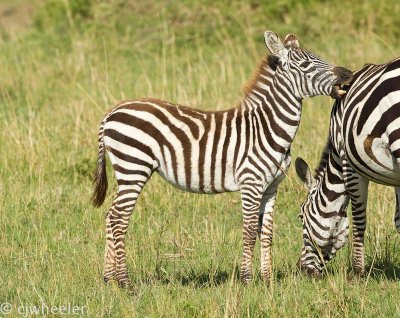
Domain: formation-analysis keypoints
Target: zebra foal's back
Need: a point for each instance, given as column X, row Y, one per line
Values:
column 188, row 147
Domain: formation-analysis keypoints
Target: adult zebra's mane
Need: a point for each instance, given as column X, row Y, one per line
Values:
column 318, row 172
column 267, row 64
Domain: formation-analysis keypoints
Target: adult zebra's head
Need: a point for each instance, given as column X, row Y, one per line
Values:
column 306, row 74
column 323, row 214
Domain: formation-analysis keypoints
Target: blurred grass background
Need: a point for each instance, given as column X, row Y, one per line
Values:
column 65, row 63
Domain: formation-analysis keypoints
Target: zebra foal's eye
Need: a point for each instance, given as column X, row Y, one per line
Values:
column 305, row 64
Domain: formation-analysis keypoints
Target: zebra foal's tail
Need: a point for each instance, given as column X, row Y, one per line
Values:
column 100, row 175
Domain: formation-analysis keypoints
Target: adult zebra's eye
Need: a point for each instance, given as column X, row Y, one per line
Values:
column 305, row 64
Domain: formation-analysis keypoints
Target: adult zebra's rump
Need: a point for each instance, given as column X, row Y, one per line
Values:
column 245, row 148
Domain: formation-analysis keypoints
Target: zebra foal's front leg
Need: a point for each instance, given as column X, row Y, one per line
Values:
column 251, row 200
column 266, row 233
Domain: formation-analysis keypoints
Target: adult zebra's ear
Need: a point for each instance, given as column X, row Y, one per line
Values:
column 275, row 45
column 291, row 42
column 304, row 173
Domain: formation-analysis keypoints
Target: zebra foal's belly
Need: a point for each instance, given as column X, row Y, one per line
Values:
column 204, row 182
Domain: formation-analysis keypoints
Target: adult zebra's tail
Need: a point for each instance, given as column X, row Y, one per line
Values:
column 100, row 175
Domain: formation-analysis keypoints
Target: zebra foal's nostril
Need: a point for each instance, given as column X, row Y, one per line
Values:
column 346, row 73
column 343, row 73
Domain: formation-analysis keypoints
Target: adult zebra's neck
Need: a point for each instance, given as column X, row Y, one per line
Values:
column 331, row 190
column 270, row 97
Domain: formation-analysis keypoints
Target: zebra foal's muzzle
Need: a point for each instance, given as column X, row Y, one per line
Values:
column 344, row 77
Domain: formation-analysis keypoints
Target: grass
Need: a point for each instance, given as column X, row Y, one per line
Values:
column 62, row 71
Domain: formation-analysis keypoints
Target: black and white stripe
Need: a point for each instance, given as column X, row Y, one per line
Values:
column 246, row 148
column 363, row 146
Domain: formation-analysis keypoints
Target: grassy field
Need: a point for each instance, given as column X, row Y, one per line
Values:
column 65, row 63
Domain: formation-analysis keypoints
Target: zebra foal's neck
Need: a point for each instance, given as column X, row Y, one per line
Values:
column 269, row 88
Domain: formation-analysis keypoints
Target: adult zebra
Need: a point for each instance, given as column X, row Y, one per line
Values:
column 246, row 148
column 363, row 146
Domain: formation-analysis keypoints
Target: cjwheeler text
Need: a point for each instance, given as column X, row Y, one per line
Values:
column 43, row 309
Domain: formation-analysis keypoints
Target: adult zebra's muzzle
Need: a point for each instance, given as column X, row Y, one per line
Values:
column 308, row 270
column 344, row 78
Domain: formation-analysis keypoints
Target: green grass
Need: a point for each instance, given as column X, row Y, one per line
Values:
column 65, row 69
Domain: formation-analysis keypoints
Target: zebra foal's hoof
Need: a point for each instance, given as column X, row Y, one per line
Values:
column 123, row 282
column 266, row 279
column 107, row 279
column 124, row 285
column 245, row 279
column 358, row 272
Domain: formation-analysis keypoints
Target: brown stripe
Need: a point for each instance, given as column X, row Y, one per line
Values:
column 225, row 146
column 218, row 121
column 151, row 130
column 202, row 152
column 177, row 131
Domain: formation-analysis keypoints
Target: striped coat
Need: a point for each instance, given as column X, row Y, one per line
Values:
column 363, row 146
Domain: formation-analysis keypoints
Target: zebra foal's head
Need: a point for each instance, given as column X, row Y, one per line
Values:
column 305, row 73
column 324, row 217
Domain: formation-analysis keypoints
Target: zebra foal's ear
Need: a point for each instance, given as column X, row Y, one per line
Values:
column 291, row 42
column 274, row 44
column 304, row 173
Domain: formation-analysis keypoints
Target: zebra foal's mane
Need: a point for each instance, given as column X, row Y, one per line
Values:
column 270, row 62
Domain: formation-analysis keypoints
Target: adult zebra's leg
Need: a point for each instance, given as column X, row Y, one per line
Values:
column 357, row 188
column 266, row 232
column 117, row 221
column 251, row 200
column 397, row 213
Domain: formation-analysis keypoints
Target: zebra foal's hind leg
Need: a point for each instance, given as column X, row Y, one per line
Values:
column 117, row 221
column 109, row 253
column 397, row 213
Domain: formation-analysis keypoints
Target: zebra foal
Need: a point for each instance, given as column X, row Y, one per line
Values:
column 363, row 146
column 246, row 148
